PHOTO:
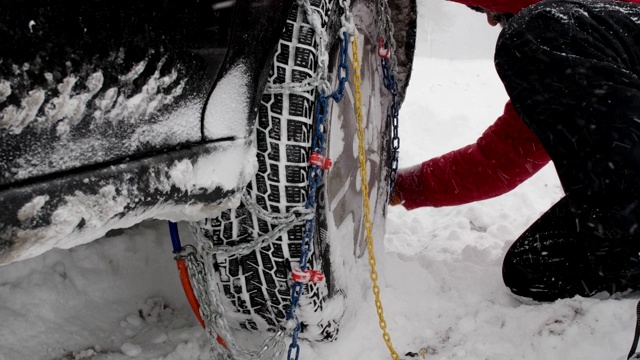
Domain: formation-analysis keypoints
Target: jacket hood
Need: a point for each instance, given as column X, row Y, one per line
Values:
column 499, row 6
column 508, row 6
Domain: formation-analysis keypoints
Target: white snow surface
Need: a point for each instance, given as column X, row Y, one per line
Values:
column 120, row 298
column 218, row 169
column 5, row 90
column 228, row 106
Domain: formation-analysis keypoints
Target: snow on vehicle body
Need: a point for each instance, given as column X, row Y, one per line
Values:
column 102, row 113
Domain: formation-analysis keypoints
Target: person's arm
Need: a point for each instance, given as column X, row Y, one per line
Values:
column 507, row 154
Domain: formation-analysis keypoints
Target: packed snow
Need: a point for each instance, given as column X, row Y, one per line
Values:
column 85, row 216
column 120, row 298
column 228, row 106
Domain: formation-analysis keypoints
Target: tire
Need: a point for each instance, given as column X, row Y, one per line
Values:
column 258, row 284
column 256, row 287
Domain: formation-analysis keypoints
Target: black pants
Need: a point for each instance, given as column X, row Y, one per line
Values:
column 572, row 71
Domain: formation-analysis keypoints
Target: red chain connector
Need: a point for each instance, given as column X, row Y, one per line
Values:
column 320, row 161
column 382, row 51
column 305, row 276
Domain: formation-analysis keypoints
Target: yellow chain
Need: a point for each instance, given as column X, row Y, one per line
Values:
column 362, row 157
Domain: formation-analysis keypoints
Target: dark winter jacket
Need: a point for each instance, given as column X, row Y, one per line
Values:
column 507, row 154
column 506, row 6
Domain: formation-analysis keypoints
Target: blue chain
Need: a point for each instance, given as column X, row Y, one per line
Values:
column 391, row 84
column 315, row 179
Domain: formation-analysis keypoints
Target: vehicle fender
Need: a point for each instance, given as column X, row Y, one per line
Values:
column 232, row 106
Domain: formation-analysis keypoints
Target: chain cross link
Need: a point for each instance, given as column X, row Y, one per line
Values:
column 284, row 223
column 213, row 313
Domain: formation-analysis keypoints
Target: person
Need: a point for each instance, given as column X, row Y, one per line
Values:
column 571, row 69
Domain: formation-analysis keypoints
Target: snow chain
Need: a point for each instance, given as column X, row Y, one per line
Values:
column 389, row 63
column 362, row 157
column 210, row 309
column 285, row 222
column 211, row 313
column 318, row 163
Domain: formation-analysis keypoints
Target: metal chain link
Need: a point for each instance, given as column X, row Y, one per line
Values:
column 285, row 222
column 210, row 303
column 315, row 179
column 320, row 80
column 211, row 308
column 213, row 312
column 364, row 188
column 322, row 39
column 390, row 76
column 199, row 283
column 387, row 31
column 297, row 214
column 255, row 244
column 393, row 120
column 293, row 87
column 198, row 280
column 318, row 141
column 348, row 25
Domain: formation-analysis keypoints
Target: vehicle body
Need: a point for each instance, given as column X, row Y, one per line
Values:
column 116, row 112
column 107, row 108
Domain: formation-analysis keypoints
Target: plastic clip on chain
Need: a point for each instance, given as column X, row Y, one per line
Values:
column 318, row 164
column 382, row 51
column 306, row 276
column 320, row 161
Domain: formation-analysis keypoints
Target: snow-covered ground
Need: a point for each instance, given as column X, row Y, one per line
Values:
column 120, row 297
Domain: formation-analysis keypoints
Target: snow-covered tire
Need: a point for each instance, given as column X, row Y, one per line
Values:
column 256, row 287
column 258, row 284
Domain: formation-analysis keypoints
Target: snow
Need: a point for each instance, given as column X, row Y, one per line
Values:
column 71, row 99
column 5, row 90
column 15, row 120
column 31, row 209
column 229, row 167
column 65, row 111
column 120, row 297
column 71, row 152
column 227, row 108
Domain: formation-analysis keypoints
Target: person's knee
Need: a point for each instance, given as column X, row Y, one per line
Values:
column 513, row 275
column 528, row 276
column 519, row 279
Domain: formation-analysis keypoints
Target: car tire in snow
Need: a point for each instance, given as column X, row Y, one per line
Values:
column 256, row 286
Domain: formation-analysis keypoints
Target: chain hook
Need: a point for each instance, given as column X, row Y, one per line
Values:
column 383, row 52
